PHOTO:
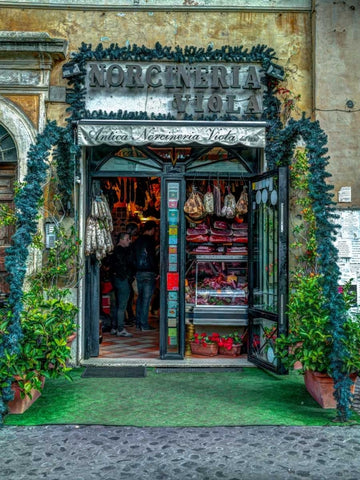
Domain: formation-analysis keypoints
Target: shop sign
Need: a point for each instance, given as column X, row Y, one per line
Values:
column 176, row 89
column 118, row 134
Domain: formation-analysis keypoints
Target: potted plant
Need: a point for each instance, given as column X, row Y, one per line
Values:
column 203, row 344
column 47, row 322
column 230, row 345
column 310, row 338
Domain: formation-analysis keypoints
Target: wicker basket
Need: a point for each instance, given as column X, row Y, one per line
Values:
column 233, row 352
column 209, row 350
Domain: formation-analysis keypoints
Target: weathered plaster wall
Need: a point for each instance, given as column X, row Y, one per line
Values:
column 289, row 34
column 337, row 73
column 29, row 105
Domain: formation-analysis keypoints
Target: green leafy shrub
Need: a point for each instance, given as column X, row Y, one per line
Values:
column 310, row 340
column 46, row 324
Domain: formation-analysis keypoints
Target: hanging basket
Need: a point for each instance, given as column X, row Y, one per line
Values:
column 208, row 350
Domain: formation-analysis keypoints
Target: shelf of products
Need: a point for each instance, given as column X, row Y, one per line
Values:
column 216, row 285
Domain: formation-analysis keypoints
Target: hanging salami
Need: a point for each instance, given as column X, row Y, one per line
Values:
column 99, row 226
column 209, row 201
column 217, row 200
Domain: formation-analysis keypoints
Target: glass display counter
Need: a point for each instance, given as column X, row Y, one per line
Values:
column 217, row 289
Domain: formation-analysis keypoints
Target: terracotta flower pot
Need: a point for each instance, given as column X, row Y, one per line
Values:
column 70, row 339
column 209, row 350
column 321, row 388
column 233, row 352
column 20, row 405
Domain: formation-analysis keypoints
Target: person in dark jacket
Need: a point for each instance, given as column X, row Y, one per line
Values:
column 147, row 269
column 122, row 271
column 132, row 229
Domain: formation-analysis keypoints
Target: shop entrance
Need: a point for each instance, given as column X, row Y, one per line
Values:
column 134, row 202
column 210, row 263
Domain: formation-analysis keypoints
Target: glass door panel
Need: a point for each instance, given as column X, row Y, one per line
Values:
column 265, row 243
column 268, row 273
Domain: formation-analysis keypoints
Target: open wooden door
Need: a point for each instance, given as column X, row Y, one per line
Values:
column 8, row 175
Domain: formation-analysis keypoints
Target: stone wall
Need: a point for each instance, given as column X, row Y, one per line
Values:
column 336, row 83
column 288, row 33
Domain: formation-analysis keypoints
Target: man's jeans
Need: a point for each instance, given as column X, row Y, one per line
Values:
column 122, row 292
column 145, row 285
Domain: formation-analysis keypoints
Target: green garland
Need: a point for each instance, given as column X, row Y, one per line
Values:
column 279, row 149
column 65, row 156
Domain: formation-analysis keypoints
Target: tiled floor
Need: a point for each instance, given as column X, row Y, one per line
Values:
column 140, row 345
column 145, row 346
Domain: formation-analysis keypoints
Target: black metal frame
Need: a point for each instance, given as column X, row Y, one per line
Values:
column 282, row 282
column 178, row 173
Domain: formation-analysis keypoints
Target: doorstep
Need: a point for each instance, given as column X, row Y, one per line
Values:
column 156, row 362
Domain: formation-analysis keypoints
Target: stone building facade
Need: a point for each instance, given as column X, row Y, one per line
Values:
column 315, row 43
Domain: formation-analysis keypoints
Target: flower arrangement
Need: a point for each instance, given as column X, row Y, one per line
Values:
column 228, row 341
column 204, row 339
column 203, row 344
column 224, row 344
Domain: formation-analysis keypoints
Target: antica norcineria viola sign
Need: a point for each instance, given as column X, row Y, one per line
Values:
column 92, row 134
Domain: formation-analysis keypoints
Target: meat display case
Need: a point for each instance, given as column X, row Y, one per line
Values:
column 217, row 290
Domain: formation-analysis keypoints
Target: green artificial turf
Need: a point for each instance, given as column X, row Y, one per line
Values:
column 248, row 397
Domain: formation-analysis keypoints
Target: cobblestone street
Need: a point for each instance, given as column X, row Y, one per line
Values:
column 229, row 453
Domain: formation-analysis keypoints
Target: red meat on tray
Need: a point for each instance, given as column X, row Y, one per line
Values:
column 195, row 231
column 238, row 233
column 219, row 239
column 197, row 238
column 223, row 232
column 239, row 226
column 203, row 249
column 201, row 226
column 239, row 239
column 220, row 224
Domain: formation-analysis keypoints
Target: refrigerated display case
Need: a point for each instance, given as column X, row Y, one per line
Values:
column 217, row 290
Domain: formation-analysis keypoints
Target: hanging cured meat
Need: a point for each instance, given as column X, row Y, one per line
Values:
column 194, row 206
column 217, row 200
column 209, row 201
column 229, row 207
column 242, row 203
column 99, row 226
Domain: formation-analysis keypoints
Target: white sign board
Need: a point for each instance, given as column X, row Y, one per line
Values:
column 348, row 245
column 90, row 134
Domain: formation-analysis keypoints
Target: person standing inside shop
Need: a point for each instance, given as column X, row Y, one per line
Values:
column 132, row 229
column 147, row 269
column 122, row 270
